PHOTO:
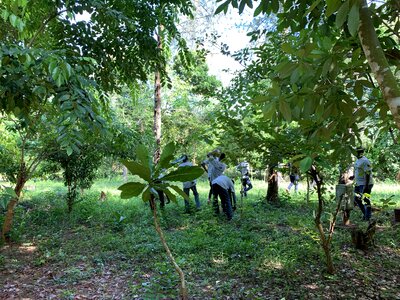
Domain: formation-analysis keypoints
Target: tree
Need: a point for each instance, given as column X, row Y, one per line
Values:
column 151, row 173
column 324, row 34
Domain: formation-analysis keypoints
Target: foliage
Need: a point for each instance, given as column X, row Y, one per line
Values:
column 6, row 194
column 79, row 169
column 155, row 176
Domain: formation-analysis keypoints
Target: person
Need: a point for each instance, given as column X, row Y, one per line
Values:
column 244, row 169
column 294, row 181
column 223, row 187
column 344, row 193
column 363, row 183
column 214, row 167
column 189, row 185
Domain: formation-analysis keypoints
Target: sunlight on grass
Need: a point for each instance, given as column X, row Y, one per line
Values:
column 273, row 264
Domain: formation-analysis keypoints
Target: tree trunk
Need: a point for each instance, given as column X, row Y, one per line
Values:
column 21, row 180
column 183, row 291
column 378, row 62
column 325, row 241
column 272, row 192
column 157, row 104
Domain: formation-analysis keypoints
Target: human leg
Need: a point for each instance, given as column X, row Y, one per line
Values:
column 196, row 196
column 225, row 200
column 358, row 191
column 367, row 200
column 187, row 204
column 215, row 192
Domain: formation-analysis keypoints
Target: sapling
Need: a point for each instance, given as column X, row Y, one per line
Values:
column 156, row 176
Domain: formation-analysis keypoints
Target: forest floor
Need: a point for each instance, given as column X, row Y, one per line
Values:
column 110, row 250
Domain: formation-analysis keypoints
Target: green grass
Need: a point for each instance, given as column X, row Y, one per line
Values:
column 266, row 251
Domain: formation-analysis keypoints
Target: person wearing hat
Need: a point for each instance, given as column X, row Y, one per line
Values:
column 363, row 183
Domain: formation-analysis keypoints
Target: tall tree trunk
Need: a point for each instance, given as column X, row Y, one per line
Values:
column 157, row 104
column 272, row 191
column 378, row 62
column 21, row 180
column 183, row 291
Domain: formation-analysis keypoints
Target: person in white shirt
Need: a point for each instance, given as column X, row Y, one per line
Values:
column 244, row 169
column 363, row 183
column 214, row 167
column 223, row 187
column 189, row 185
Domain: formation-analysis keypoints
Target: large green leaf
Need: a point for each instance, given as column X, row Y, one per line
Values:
column 131, row 189
column 284, row 108
column 138, row 169
column 166, row 156
column 305, row 164
column 182, row 174
column 342, row 14
column 332, row 6
column 170, row 195
column 353, row 20
column 179, row 191
column 142, row 154
column 146, row 195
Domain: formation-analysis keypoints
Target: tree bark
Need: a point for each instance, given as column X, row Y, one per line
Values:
column 21, row 180
column 378, row 62
column 157, row 104
column 272, row 191
column 325, row 241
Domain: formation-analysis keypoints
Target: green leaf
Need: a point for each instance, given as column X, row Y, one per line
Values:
column 167, row 155
column 170, row 195
column 331, row 7
column 259, row 99
column 69, row 151
column 287, row 48
column 358, row 89
column 342, row 14
column 241, row 6
column 305, row 164
column 353, row 20
column 131, row 189
column 138, row 169
column 284, row 108
column 223, row 7
column 180, row 192
column 312, row 7
column 10, row 192
column 146, row 195
column 142, row 154
column 182, row 174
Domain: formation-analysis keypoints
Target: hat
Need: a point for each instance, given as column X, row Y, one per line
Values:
column 360, row 149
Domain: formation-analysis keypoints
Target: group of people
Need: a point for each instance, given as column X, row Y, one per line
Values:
column 222, row 187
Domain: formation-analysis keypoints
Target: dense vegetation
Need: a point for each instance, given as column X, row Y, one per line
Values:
column 104, row 97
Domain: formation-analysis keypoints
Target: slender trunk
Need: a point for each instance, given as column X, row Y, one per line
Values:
column 21, row 180
column 183, row 291
column 308, row 190
column 378, row 62
column 157, row 104
column 325, row 241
